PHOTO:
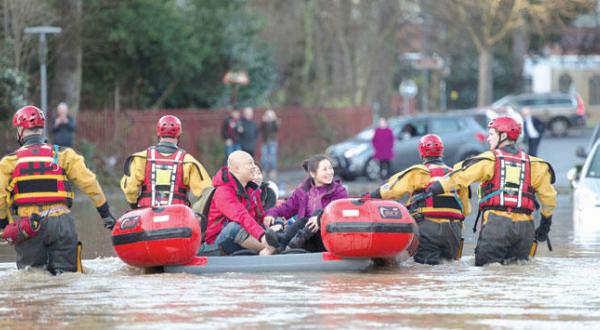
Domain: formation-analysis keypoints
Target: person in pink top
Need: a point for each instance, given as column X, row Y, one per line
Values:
column 383, row 143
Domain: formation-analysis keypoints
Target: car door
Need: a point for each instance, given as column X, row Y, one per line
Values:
column 408, row 133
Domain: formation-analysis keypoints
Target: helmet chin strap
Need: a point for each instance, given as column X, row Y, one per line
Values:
column 20, row 136
column 500, row 140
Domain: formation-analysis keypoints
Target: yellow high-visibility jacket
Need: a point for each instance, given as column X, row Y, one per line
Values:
column 195, row 176
column 75, row 170
column 413, row 179
column 481, row 168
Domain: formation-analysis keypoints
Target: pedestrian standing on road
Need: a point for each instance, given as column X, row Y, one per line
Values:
column 231, row 131
column 36, row 197
column 383, row 143
column 250, row 134
column 513, row 186
column 64, row 126
column 269, row 128
column 534, row 129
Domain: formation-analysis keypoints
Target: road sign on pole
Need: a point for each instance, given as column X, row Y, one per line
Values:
column 408, row 89
column 42, row 31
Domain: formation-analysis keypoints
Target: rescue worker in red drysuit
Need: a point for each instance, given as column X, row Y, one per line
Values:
column 510, row 182
column 440, row 218
column 163, row 174
column 36, row 193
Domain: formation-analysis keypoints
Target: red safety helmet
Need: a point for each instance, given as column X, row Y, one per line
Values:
column 29, row 117
column 431, row 146
column 506, row 125
column 168, row 126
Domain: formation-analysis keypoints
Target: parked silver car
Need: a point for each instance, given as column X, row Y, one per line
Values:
column 559, row 111
column 462, row 136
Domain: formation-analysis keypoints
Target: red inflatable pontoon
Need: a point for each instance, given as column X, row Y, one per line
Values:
column 168, row 235
column 355, row 228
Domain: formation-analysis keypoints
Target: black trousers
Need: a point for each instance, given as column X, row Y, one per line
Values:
column 384, row 169
column 55, row 246
column 438, row 241
column 503, row 240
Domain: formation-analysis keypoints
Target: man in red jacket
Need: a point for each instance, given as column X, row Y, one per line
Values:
column 235, row 214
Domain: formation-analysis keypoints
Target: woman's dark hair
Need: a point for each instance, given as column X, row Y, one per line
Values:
column 258, row 165
column 312, row 164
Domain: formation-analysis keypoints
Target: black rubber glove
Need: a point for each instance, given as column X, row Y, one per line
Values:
column 3, row 223
column 541, row 233
column 107, row 219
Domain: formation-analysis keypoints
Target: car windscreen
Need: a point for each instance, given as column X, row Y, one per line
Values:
column 594, row 168
column 443, row 126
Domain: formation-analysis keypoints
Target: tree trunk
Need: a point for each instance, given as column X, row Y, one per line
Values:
column 485, row 83
column 520, row 44
column 66, row 85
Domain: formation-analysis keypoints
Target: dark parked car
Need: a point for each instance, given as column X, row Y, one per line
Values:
column 462, row 136
column 559, row 111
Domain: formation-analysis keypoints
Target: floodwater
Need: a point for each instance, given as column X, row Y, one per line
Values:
column 557, row 290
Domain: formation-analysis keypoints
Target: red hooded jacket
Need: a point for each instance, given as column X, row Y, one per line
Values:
column 231, row 202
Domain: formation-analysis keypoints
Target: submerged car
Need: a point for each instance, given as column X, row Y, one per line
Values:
column 462, row 135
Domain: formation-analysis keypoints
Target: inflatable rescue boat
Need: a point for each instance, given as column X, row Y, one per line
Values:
column 355, row 232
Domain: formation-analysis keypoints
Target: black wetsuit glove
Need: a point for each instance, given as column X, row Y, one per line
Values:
column 3, row 223
column 541, row 233
column 107, row 219
column 318, row 213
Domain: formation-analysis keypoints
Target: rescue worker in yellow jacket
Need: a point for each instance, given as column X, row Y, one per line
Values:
column 440, row 218
column 36, row 195
column 163, row 174
column 512, row 183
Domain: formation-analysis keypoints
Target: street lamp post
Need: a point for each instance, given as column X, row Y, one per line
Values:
column 42, row 31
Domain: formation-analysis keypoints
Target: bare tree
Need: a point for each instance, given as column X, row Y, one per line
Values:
column 491, row 21
column 66, row 85
column 16, row 15
column 356, row 42
column 335, row 52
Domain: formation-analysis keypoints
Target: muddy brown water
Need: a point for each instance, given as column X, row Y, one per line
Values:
column 557, row 290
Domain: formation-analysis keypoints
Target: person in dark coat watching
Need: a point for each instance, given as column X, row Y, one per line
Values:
column 64, row 126
column 534, row 129
column 231, row 131
column 269, row 128
column 383, row 142
column 250, row 134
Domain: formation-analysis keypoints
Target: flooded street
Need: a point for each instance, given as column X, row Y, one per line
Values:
column 557, row 290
